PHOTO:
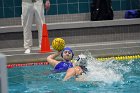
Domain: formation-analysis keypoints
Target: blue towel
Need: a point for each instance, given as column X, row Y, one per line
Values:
column 131, row 14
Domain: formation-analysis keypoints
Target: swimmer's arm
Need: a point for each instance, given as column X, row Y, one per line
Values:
column 51, row 58
column 70, row 73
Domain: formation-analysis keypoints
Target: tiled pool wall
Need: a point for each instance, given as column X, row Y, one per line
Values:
column 77, row 32
column 12, row 8
column 61, row 10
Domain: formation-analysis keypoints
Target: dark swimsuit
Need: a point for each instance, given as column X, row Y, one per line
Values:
column 63, row 66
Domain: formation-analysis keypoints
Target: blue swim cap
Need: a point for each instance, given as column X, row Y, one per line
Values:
column 69, row 49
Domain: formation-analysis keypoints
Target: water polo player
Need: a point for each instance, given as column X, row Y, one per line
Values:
column 66, row 65
column 81, row 64
column 60, row 66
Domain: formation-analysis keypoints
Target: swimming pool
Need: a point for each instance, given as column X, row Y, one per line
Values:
column 111, row 76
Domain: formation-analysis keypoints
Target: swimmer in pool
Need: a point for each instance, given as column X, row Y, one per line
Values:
column 66, row 65
column 60, row 66
column 79, row 69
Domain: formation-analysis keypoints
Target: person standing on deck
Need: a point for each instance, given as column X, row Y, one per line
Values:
column 32, row 9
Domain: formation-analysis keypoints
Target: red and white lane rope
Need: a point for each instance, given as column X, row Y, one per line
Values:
column 26, row 64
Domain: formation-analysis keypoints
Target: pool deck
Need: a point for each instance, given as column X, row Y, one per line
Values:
column 101, row 38
column 101, row 49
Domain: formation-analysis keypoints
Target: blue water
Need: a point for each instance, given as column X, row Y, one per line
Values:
column 110, row 76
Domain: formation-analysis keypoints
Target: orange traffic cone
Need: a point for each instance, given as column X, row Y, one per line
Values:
column 45, row 45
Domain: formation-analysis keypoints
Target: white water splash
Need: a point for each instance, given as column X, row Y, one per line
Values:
column 108, row 72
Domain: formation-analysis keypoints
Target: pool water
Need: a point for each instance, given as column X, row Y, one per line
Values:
column 110, row 76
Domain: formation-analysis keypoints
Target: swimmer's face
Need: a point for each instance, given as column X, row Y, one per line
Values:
column 67, row 55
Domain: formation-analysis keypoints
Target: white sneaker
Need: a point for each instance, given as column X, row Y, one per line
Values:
column 27, row 51
column 40, row 46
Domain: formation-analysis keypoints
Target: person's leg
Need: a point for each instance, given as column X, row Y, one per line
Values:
column 39, row 18
column 27, row 14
